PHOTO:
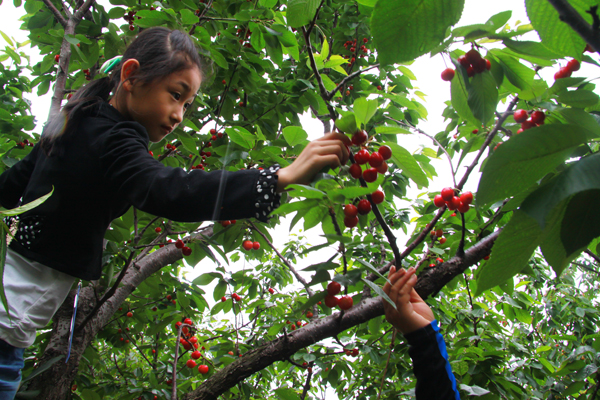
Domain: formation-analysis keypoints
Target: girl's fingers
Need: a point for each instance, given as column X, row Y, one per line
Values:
column 400, row 286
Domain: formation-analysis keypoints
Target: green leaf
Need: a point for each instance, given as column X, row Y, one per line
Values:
column 218, row 58
column 257, row 40
column 294, row 135
column 526, row 158
column 287, row 394
column 305, row 191
column 379, row 291
column 364, row 109
column 43, row 367
column 351, row 192
column 89, row 394
column 29, row 206
column 551, row 245
column 206, row 278
column 241, row 136
column 581, row 222
column 393, row 130
column 516, row 73
column 460, row 94
column 511, row 252
column 188, row 143
column 301, row 12
column 578, row 98
column 405, row 29
column 347, row 124
column 579, row 117
column 556, row 34
column 474, row 390
column 188, row 17
column 534, row 49
column 403, row 159
column 372, row 268
column 483, row 96
column 220, row 290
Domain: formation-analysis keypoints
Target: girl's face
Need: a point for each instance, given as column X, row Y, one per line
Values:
column 160, row 105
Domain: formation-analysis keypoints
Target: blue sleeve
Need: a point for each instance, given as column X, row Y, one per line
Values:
column 435, row 380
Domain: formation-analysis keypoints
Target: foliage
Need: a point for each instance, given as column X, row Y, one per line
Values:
column 513, row 331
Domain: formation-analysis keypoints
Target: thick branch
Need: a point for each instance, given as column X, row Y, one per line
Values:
column 82, row 10
column 571, row 17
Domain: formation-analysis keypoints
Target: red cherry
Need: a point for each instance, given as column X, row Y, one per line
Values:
column 345, row 302
column 385, row 151
column 131, row 28
column 190, row 363
column 56, row 58
column 333, row 288
column 355, row 170
column 463, row 208
column 538, row 117
column 247, row 245
column 370, row 175
column 255, row 246
column 453, row 203
column 223, row 299
column 439, row 233
column 271, row 290
column 355, row 352
column 193, row 339
column 488, row 64
column 479, row 66
column 364, row 207
column 564, row 72
column 470, row 72
column 350, row 210
column 520, row 116
column 462, row 60
column 378, row 197
column 224, row 82
column 203, row 369
column 196, row 355
column 186, row 251
column 158, row 229
column 180, row 245
column 440, row 260
column 573, row 65
column 225, row 223
column 475, row 131
column 330, row 301
column 431, row 265
column 438, row 200
column 443, row 240
column 453, row 215
column 350, row 222
column 379, row 87
column 382, row 169
column 486, row 257
column 362, row 156
column 473, row 56
column 466, row 197
column 527, row 124
column 447, row 74
column 129, row 314
column 69, row 96
column 375, row 160
column 447, row 193
column 359, row 137
column 188, row 321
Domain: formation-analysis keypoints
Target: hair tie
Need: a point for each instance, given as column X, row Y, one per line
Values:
column 110, row 64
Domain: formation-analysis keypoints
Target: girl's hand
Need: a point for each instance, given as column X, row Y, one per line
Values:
column 412, row 312
column 328, row 151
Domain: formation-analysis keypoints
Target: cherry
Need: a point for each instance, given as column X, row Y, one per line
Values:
column 431, row 265
column 486, row 257
column 462, row 60
column 223, row 299
column 385, row 151
column 370, row 175
column 350, row 210
column 439, row 233
column 131, row 27
column 271, row 290
column 187, row 321
column 470, row 72
column 479, row 66
column 466, row 197
column 255, row 246
column 378, row 197
column 186, row 251
column 169, row 297
column 158, row 229
column 438, row 200
column 247, row 245
column 573, row 65
column 350, row 222
column 330, row 301
column 203, row 369
column 375, row 160
column 527, row 124
column 190, row 363
column 443, row 240
column 355, row 352
column 345, row 302
column 475, row 131
column 447, row 193
column 463, row 208
column 520, row 116
column 69, row 96
column 488, row 64
column 179, row 244
column 440, row 260
column 453, row 203
column 379, row 87
column 56, row 58
column 564, row 72
column 382, row 169
column 362, row 156
column 359, row 137
column 129, row 314
column 196, row 355
column 473, row 56
column 193, row 339
column 355, row 170
column 447, row 74
column 364, row 207
column 333, row 288
column 538, row 117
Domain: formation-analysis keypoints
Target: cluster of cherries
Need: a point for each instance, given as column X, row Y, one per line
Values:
column 245, row 40
column 352, row 46
column 344, row 302
column 188, row 341
column 522, row 116
column 130, row 17
column 184, row 249
column 225, row 224
column 234, row 296
column 250, row 245
column 474, row 63
column 24, row 143
column 566, row 71
column 448, row 198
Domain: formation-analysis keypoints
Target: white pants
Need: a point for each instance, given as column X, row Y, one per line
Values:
column 34, row 292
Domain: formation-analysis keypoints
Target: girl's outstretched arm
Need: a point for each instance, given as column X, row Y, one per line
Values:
column 327, row 151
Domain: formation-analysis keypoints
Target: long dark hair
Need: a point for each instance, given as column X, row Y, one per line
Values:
column 160, row 52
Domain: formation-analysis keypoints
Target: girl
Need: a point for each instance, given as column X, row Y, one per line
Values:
column 95, row 156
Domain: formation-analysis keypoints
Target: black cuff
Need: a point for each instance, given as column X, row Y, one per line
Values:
column 266, row 197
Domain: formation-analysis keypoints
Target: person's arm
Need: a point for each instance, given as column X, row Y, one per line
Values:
column 413, row 318
column 14, row 180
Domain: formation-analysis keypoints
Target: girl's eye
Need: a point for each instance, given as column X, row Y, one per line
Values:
column 176, row 96
column 187, row 105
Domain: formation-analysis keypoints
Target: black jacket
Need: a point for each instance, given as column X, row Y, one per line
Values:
column 104, row 169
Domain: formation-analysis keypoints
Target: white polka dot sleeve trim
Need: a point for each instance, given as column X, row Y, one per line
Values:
column 267, row 199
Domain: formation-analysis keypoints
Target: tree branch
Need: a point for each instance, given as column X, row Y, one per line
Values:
column 57, row 15
column 349, row 78
column 571, row 17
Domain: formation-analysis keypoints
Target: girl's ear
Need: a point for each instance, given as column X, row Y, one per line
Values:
column 128, row 70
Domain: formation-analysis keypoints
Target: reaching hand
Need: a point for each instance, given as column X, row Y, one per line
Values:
column 412, row 312
column 327, row 151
